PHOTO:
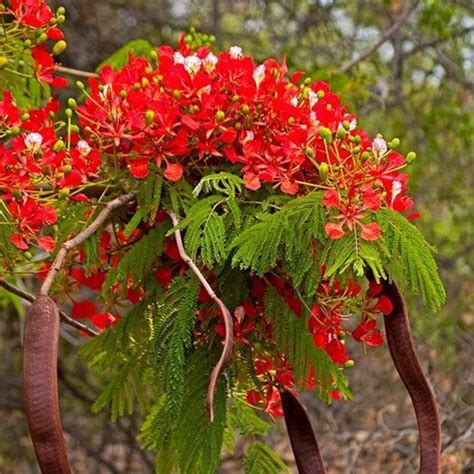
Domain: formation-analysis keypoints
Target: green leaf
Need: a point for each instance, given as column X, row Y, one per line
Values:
column 261, row 459
column 138, row 47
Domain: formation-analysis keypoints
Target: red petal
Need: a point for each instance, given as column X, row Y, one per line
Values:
column 83, row 309
column 46, row 243
column 174, row 171
column 18, row 241
column 139, row 168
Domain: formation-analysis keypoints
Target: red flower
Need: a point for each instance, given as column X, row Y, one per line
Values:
column 32, row 13
column 367, row 332
column 45, row 67
column 83, row 309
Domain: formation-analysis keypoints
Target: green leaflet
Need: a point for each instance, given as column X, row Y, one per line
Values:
column 188, row 442
column 138, row 47
column 138, row 261
column 411, row 261
column 261, row 459
column 287, row 233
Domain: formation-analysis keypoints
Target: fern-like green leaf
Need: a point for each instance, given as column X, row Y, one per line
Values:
column 261, row 459
column 411, row 261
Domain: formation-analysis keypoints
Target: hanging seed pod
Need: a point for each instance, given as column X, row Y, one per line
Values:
column 40, row 385
column 302, row 438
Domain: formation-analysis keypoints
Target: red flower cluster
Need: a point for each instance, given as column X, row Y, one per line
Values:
column 197, row 108
column 35, row 163
column 37, row 24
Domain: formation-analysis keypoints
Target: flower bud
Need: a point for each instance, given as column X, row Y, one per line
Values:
column 238, row 126
column 349, row 364
column 245, row 109
column 72, row 103
column 123, row 93
column 25, row 116
column 235, row 99
column 80, row 85
column 154, row 55
column 27, row 43
column 411, row 157
column 15, row 131
column 67, row 169
column 64, row 193
column 60, row 11
column 365, row 156
column 177, row 94
column 309, row 152
column 68, row 113
column 61, row 18
column 149, row 116
column 394, row 144
column 137, row 86
column 341, row 133
column 326, row 134
column 356, row 150
column 28, row 255
column 220, row 115
column 195, row 108
column 59, row 47
column 320, row 94
column 16, row 194
column 74, row 129
column 42, row 38
column 58, row 146
column 3, row 62
column 323, row 171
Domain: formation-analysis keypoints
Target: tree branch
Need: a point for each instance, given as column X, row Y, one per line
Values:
column 77, row 72
column 80, row 238
column 30, row 298
column 386, row 35
column 229, row 328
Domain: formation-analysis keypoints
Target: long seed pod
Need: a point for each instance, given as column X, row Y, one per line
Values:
column 40, row 385
column 402, row 349
column 302, row 438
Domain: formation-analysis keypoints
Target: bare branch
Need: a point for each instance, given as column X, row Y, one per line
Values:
column 77, row 72
column 30, row 298
column 80, row 238
column 386, row 35
column 229, row 329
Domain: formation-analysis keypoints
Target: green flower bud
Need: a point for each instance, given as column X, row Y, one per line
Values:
column 326, row 134
column 25, row 116
column 291, row 120
column 67, row 169
column 80, row 85
column 149, row 116
column 137, row 86
column 27, row 43
column 177, row 94
column 59, row 47
column 72, row 103
column 61, row 18
column 42, row 38
column 154, row 55
column 74, row 129
column 341, row 133
column 16, row 194
column 3, row 62
column 411, row 157
column 394, row 144
column 245, row 109
column 64, row 193
column 349, row 364
column 28, row 255
column 60, row 11
column 220, row 115
column 15, row 131
column 58, row 146
column 320, row 94
column 346, row 124
column 238, row 126
column 235, row 99
column 356, row 150
column 195, row 109
column 365, row 156
column 323, row 171
column 309, row 152
column 123, row 93
column 69, row 113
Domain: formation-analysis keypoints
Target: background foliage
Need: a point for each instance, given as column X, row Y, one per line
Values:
column 417, row 85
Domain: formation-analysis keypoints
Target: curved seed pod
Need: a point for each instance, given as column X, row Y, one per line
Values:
column 402, row 349
column 302, row 438
column 40, row 385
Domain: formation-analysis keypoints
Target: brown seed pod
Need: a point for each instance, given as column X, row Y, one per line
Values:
column 402, row 349
column 302, row 438
column 40, row 385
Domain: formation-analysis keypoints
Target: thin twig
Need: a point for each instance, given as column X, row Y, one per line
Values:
column 30, row 298
column 229, row 329
column 80, row 238
column 76, row 72
column 386, row 35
